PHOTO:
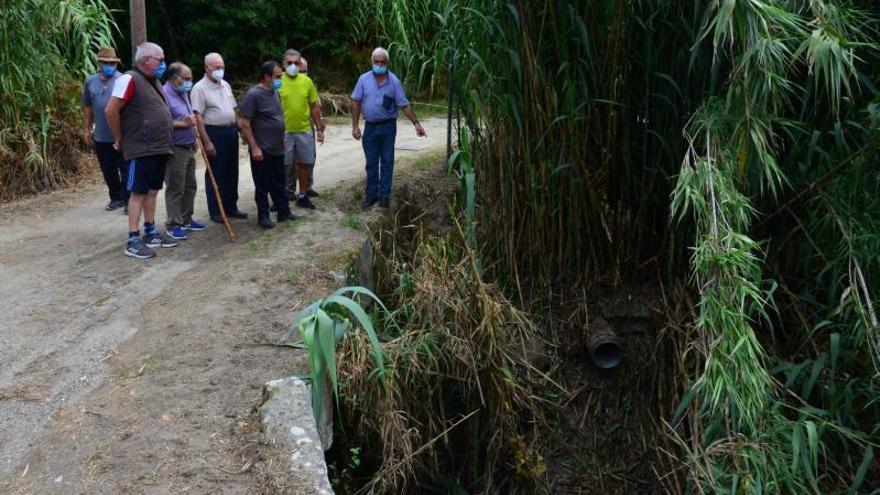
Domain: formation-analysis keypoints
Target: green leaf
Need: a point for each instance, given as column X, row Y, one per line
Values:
column 859, row 478
column 327, row 343
column 364, row 321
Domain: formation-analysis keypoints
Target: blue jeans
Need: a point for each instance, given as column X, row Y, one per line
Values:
column 378, row 142
column 225, row 167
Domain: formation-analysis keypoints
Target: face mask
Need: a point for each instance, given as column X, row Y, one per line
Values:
column 159, row 71
column 379, row 69
column 218, row 74
column 292, row 70
column 185, row 87
column 276, row 84
column 108, row 70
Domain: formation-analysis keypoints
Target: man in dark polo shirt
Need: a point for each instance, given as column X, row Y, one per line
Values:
column 262, row 125
column 138, row 115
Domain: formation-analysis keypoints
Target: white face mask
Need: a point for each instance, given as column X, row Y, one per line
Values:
column 292, row 70
column 217, row 74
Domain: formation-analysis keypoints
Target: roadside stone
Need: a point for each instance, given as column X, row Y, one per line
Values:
column 288, row 420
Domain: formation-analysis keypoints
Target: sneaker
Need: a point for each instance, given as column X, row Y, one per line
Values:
column 286, row 218
column 304, row 202
column 177, row 232
column 156, row 239
column 312, row 193
column 114, row 205
column 195, row 226
column 266, row 223
column 369, row 202
column 383, row 202
column 137, row 248
column 237, row 214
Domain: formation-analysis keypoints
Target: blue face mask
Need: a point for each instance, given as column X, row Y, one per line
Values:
column 276, row 84
column 108, row 70
column 185, row 87
column 379, row 69
column 158, row 72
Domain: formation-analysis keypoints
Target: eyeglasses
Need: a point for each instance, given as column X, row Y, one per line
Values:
column 160, row 60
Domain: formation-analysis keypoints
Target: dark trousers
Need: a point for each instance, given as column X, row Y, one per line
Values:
column 269, row 181
column 378, row 142
column 114, row 169
column 225, row 167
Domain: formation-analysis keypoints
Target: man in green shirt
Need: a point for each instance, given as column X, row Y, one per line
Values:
column 299, row 100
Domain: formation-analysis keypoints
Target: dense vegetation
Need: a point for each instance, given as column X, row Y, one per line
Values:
column 248, row 33
column 727, row 146
column 725, row 150
column 46, row 48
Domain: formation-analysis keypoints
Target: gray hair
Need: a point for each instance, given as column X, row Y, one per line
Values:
column 381, row 51
column 211, row 56
column 291, row 53
column 145, row 50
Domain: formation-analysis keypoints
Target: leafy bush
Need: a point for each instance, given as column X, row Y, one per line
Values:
column 246, row 33
column 46, row 49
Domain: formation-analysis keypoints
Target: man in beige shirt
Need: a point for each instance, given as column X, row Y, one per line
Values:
column 214, row 106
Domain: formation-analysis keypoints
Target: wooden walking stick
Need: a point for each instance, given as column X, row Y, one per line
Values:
column 216, row 192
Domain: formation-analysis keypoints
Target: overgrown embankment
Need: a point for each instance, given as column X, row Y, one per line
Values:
column 46, row 48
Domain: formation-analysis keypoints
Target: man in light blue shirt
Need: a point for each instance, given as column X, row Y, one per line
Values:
column 379, row 95
column 96, row 94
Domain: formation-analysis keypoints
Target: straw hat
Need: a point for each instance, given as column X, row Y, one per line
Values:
column 107, row 54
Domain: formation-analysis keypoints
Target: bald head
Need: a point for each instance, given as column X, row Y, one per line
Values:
column 214, row 66
column 213, row 57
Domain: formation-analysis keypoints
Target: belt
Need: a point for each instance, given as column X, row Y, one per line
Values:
column 233, row 126
column 380, row 122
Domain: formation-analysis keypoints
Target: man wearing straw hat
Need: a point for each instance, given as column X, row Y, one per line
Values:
column 96, row 133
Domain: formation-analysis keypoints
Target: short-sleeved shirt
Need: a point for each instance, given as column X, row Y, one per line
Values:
column 180, row 108
column 215, row 102
column 297, row 94
column 96, row 93
column 379, row 102
column 263, row 108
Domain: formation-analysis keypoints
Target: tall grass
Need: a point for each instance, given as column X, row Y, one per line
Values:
column 46, row 48
column 579, row 115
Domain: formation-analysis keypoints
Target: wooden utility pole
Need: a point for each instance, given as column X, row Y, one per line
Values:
column 138, row 25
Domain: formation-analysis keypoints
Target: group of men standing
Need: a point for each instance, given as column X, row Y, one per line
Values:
column 146, row 135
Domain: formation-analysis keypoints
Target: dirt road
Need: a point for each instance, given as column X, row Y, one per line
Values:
column 123, row 375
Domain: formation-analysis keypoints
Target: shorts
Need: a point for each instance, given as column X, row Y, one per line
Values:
column 299, row 146
column 146, row 173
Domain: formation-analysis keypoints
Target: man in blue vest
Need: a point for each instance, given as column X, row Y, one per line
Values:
column 139, row 117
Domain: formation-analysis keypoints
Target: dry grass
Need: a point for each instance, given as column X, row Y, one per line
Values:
column 460, row 397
